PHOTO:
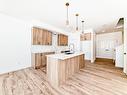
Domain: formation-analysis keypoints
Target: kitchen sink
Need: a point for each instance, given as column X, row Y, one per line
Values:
column 69, row 53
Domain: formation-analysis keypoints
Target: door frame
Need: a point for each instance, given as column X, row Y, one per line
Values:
column 125, row 46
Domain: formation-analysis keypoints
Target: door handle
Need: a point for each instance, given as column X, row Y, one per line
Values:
column 125, row 53
column 106, row 49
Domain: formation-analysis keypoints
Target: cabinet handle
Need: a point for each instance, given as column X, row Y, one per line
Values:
column 106, row 49
column 39, row 43
column 124, row 53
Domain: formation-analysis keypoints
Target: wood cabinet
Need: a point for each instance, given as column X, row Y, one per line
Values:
column 41, row 36
column 62, row 40
column 40, row 59
column 85, row 36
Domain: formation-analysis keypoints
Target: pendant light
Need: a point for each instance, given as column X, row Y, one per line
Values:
column 82, row 26
column 77, row 21
column 67, row 20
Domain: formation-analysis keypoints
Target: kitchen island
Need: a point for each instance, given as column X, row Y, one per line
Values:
column 61, row 66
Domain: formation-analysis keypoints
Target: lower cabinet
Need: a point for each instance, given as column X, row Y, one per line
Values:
column 81, row 61
column 40, row 59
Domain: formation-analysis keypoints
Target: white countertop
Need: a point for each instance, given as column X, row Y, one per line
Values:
column 63, row 56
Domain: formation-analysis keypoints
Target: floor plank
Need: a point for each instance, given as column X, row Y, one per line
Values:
column 100, row 78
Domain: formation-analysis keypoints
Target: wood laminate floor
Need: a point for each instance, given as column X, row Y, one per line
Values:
column 100, row 78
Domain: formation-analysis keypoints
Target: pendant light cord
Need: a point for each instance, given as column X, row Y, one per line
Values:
column 67, row 22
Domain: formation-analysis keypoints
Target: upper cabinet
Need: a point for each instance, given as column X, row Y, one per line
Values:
column 41, row 36
column 85, row 36
column 62, row 40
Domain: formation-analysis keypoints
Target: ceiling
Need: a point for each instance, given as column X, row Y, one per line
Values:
column 95, row 13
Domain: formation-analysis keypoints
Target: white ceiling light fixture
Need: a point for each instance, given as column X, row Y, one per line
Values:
column 77, row 22
column 67, row 20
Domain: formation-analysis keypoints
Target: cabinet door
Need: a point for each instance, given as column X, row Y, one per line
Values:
column 41, row 37
column 62, row 40
column 82, row 61
column 81, row 37
column 88, row 36
column 44, row 37
column 34, row 36
column 58, row 40
column 38, row 36
column 49, row 38
column 43, row 60
column 38, row 61
column 66, row 40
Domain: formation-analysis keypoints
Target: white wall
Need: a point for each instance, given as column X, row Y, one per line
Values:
column 15, row 44
column 116, row 38
column 74, row 38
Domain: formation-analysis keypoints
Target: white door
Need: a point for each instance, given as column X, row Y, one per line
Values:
column 105, row 48
column 125, row 46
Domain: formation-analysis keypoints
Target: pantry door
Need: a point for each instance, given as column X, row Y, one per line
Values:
column 105, row 48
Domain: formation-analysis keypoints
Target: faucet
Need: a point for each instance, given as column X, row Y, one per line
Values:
column 71, row 47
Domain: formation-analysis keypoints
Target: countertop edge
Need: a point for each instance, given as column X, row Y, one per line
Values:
column 64, row 56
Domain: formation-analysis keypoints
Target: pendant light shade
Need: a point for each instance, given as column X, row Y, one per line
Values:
column 77, row 22
column 82, row 26
column 67, row 20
